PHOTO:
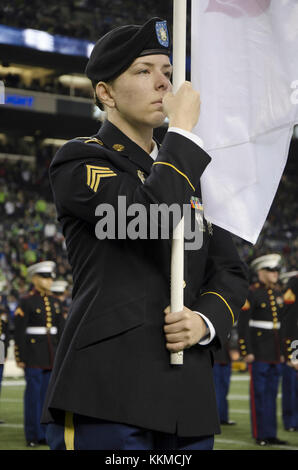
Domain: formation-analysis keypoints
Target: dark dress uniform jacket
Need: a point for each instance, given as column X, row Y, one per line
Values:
column 290, row 321
column 259, row 324
column 112, row 362
column 4, row 328
column 38, row 324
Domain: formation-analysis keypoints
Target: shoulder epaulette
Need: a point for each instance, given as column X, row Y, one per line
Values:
column 93, row 140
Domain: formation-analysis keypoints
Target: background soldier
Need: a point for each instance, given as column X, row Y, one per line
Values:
column 259, row 342
column 222, row 374
column 4, row 335
column 38, row 324
column 59, row 289
column 290, row 351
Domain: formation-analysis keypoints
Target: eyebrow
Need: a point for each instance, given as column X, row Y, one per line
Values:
column 150, row 64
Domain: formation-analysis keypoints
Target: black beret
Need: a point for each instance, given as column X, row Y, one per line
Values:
column 116, row 50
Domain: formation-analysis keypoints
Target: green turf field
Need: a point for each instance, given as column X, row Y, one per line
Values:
column 236, row 437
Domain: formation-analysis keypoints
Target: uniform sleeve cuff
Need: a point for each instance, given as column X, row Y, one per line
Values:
column 211, row 334
column 189, row 135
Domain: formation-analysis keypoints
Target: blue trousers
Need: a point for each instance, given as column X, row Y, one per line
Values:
column 83, row 433
column 289, row 397
column 264, row 378
column 37, row 381
column 222, row 375
column 1, row 374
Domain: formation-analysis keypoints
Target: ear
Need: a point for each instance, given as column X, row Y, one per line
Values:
column 104, row 94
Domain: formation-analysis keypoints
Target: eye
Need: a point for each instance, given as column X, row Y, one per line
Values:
column 145, row 71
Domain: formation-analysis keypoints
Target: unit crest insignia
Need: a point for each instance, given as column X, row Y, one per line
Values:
column 141, row 175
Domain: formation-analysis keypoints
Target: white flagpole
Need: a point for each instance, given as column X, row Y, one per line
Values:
column 177, row 260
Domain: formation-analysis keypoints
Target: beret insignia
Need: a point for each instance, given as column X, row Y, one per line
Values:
column 162, row 33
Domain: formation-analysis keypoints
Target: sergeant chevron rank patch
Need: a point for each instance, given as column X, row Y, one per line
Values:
column 95, row 173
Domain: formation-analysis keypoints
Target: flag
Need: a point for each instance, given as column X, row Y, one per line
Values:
column 244, row 62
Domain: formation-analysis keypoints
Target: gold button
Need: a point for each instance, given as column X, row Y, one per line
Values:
column 263, row 304
column 49, row 325
column 241, row 340
column 274, row 309
column 259, row 333
column 242, row 347
column 118, row 147
column 269, row 291
column 288, row 341
column 33, row 340
column 271, row 297
column 184, row 284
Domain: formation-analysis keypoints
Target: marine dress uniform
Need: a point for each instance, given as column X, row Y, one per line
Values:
column 59, row 289
column 290, row 351
column 112, row 368
column 4, row 339
column 38, row 323
column 259, row 334
column 222, row 374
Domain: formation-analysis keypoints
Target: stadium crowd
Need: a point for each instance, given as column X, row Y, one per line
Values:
column 65, row 17
column 29, row 232
column 50, row 84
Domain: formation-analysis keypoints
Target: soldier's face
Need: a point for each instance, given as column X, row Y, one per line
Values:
column 42, row 283
column 138, row 92
column 268, row 277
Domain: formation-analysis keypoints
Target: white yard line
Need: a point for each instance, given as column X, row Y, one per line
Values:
column 243, row 397
column 7, row 425
column 245, row 444
column 13, row 383
column 239, row 378
column 10, row 400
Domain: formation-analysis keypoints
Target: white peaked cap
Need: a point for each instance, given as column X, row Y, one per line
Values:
column 284, row 277
column 59, row 286
column 267, row 261
column 43, row 267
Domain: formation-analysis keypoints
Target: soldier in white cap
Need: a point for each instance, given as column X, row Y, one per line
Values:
column 4, row 332
column 290, row 351
column 38, row 322
column 60, row 290
column 259, row 342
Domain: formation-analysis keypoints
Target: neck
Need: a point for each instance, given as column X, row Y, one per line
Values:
column 42, row 291
column 141, row 135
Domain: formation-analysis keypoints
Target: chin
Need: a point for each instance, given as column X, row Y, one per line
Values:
column 158, row 122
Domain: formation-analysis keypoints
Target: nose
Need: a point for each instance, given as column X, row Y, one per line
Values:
column 162, row 82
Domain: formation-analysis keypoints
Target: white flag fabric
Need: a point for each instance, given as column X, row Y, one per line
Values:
column 244, row 62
